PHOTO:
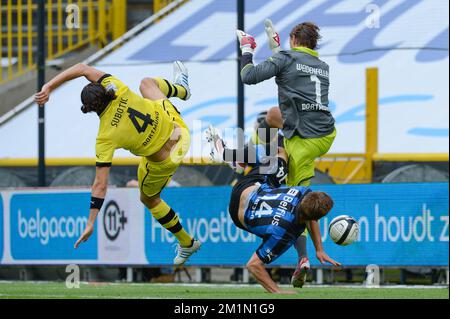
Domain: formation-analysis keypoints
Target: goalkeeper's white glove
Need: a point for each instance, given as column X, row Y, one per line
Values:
column 274, row 37
column 246, row 41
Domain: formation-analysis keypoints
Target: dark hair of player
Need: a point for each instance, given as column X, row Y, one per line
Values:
column 306, row 34
column 95, row 98
column 314, row 206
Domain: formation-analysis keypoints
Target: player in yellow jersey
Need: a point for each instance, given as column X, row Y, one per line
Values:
column 149, row 126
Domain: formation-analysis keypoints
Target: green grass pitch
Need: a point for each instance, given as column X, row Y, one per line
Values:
column 50, row 290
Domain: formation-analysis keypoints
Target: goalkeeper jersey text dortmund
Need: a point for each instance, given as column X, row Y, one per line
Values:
column 131, row 122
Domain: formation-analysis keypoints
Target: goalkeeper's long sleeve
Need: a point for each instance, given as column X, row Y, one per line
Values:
column 253, row 74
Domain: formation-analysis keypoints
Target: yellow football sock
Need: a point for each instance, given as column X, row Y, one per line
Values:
column 171, row 90
column 170, row 221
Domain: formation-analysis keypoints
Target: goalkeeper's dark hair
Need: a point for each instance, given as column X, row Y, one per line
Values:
column 314, row 206
column 306, row 34
column 95, row 98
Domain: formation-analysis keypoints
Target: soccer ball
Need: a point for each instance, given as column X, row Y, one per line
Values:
column 344, row 230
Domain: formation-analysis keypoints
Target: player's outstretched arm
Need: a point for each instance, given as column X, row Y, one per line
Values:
column 76, row 71
column 316, row 237
column 258, row 270
column 97, row 197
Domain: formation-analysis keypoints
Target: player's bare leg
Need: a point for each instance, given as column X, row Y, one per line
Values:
column 170, row 221
column 160, row 89
column 274, row 118
column 267, row 128
column 150, row 89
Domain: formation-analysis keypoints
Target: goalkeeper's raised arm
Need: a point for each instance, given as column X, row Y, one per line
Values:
column 253, row 74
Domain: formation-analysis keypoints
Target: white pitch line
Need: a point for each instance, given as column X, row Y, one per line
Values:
column 217, row 285
column 306, row 286
column 40, row 296
column 209, row 285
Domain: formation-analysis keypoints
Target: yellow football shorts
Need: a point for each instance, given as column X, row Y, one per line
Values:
column 302, row 154
column 153, row 177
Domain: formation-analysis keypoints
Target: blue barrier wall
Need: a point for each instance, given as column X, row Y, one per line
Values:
column 401, row 225
column 46, row 226
column 204, row 214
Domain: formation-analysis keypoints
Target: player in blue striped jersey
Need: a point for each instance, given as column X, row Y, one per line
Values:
column 278, row 215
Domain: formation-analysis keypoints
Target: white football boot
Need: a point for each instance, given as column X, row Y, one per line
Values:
column 183, row 253
column 218, row 147
column 181, row 77
column 216, row 143
column 299, row 277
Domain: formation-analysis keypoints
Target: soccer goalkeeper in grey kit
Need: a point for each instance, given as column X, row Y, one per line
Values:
column 303, row 113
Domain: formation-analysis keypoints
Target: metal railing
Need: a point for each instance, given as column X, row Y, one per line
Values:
column 70, row 25
column 111, row 46
column 158, row 5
